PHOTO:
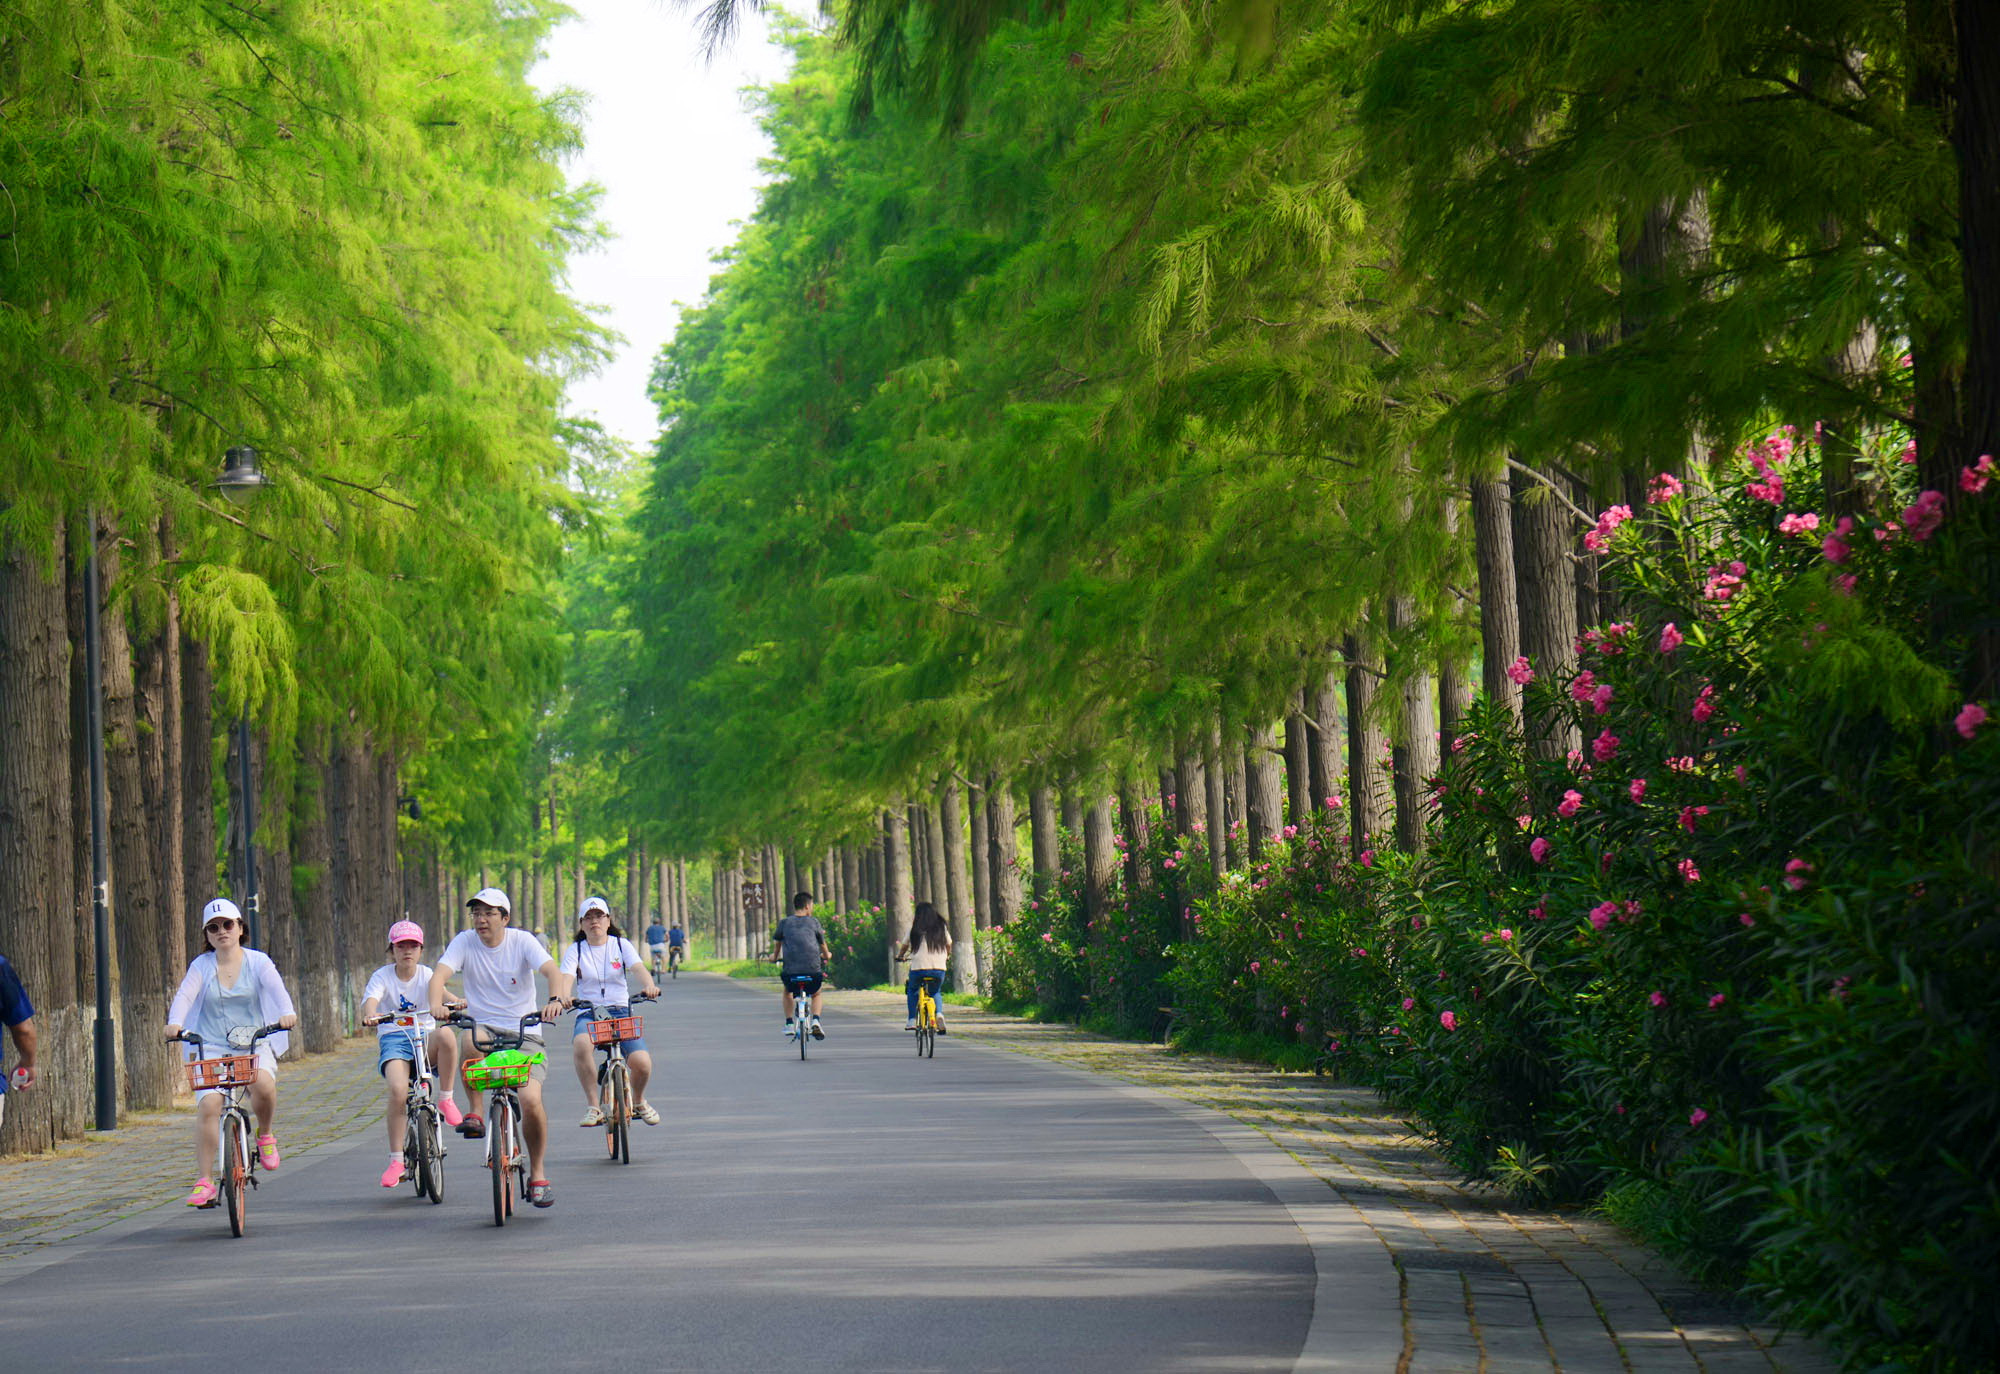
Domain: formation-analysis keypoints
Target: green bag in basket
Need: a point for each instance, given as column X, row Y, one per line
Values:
column 502, row 1069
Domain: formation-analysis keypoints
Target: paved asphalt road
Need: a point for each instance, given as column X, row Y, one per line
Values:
column 863, row 1210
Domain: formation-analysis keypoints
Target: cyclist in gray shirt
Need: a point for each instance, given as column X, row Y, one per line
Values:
column 798, row 947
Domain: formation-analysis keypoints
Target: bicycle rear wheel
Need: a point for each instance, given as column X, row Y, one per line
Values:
column 429, row 1129
column 235, row 1173
column 802, row 1012
column 499, row 1150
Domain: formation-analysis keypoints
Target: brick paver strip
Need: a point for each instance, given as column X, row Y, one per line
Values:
column 1486, row 1285
column 148, row 1161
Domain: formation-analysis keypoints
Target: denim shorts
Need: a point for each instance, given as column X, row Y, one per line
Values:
column 395, row 1045
column 634, row 1045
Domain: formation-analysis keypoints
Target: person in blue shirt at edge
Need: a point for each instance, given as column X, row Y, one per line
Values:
column 798, row 947
column 677, row 944
column 17, row 1013
column 656, row 944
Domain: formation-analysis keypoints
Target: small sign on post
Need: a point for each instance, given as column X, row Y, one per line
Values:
column 753, row 897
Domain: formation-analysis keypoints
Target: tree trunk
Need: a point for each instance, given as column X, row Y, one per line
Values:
column 1132, row 830
column 982, row 859
column 1323, row 705
column 1190, row 794
column 1072, row 811
column 1366, row 793
column 902, row 883
column 1216, row 775
column 1003, row 850
column 1100, row 866
column 140, row 923
column 38, row 926
column 1298, row 765
column 1044, row 852
column 1545, row 590
column 1454, row 699
column 198, row 869
column 1236, row 791
column 1499, row 607
column 160, row 767
column 951, row 831
column 1414, row 756
column 1263, row 792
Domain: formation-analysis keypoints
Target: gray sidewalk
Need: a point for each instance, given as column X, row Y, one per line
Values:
column 1487, row 1287
column 148, row 1162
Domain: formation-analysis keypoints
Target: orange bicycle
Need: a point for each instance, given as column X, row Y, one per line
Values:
column 231, row 1075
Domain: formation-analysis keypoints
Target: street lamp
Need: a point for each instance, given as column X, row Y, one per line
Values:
column 243, row 481
column 106, row 1039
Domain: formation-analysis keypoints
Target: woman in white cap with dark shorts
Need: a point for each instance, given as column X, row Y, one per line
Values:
column 230, row 987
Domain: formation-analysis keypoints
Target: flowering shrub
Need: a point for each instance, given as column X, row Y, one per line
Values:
column 1730, row 964
column 859, row 941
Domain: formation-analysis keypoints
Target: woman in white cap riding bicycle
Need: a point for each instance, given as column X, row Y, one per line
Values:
column 403, row 987
column 599, row 959
column 231, row 987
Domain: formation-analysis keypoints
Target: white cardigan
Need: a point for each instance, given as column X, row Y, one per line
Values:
column 271, row 994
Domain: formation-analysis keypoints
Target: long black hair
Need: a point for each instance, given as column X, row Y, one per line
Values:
column 927, row 929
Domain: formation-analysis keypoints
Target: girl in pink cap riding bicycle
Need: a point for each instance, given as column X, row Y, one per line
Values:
column 402, row 987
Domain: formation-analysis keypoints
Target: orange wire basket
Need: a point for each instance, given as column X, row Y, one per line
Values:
column 616, row 1028
column 226, row 1071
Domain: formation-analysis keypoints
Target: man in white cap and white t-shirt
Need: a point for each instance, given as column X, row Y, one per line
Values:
column 499, row 964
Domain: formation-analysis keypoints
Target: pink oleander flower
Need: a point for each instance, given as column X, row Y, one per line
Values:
column 1970, row 719
column 1704, row 704
column 1290, row 831
column 1742, row 775
column 1409, row 1004
column 1539, row 849
column 1506, row 934
column 1637, row 789
column 1601, row 914
column 1686, row 868
column 1658, row 999
column 1256, row 965
column 1300, row 1028
column 1671, row 638
column 1799, row 524
column 1605, row 747
column 1449, row 1020
column 1717, row 1000
column 1697, row 1116
column 1721, row 585
column 1771, row 488
column 1571, row 803
column 1664, row 487
column 1746, row 918
column 1844, row 583
column 1520, row 672
column 1909, row 454
column 1047, row 938
column 1598, row 539
column 1683, row 764
column 1586, row 682
column 1523, row 822
column 1539, row 911
column 1600, row 700
column 1333, row 803
column 1797, row 874
column 1367, row 858
column 1688, row 814
column 1973, row 480
column 1923, row 517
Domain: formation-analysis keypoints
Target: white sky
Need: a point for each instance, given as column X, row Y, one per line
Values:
column 668, row 138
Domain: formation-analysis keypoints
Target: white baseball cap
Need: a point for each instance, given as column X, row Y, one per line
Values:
column 221, row 906
column 591, row 904
column 491, row 896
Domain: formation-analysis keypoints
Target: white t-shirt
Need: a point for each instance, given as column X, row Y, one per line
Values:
column 930, row 957
column 600, row 974
column 499, row 983
column 392, row 994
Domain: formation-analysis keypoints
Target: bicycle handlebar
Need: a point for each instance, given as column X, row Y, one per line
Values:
column 199, row 1043
column 494, row 1035
column 591, row 1007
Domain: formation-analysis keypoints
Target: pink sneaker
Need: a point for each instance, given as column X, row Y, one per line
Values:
column 204, row 1194
column 448, row 1109
column 392, row 1175
column 267, row 1153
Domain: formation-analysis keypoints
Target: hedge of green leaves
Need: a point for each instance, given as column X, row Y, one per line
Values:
column 1730, row 966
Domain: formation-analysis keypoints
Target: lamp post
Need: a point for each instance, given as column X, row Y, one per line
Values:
column 242, row 481
column 106, row 1039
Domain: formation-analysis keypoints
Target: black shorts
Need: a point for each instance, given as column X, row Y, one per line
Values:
column 808, row 983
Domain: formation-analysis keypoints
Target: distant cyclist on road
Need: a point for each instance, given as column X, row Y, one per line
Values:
column 928, row 949
column 500, row 964
column 677, row 945
column 798, row 947
column 656, row 945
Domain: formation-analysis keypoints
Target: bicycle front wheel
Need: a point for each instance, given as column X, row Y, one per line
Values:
column 429, row 1129
column 499, row 1147
column 235, row 1172
column 619, row 1123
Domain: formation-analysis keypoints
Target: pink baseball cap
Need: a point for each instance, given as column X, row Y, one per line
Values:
column 405, row 930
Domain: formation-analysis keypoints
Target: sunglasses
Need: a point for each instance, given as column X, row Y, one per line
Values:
column 221, row 923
